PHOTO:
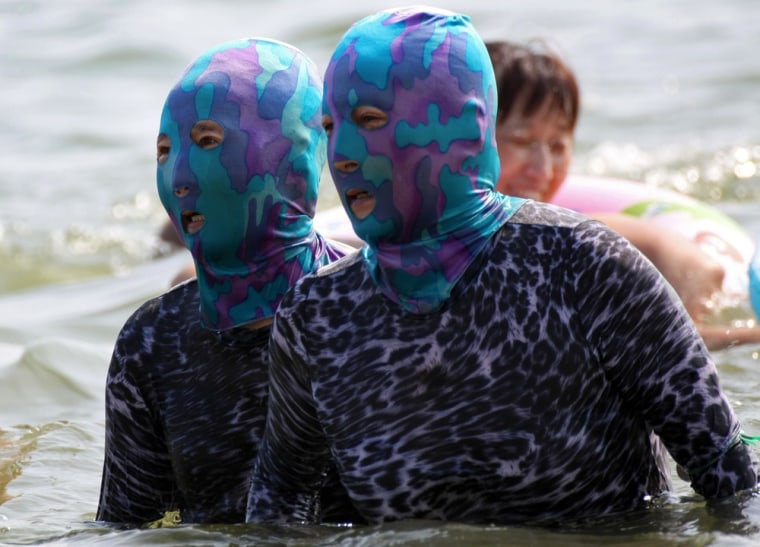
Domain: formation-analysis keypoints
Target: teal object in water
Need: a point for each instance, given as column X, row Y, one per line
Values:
column 754, row 283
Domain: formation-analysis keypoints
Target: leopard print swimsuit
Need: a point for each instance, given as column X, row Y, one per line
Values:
column 185, row 410
column 532, row 395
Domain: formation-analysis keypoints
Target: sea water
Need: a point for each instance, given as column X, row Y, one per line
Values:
column 671, row 97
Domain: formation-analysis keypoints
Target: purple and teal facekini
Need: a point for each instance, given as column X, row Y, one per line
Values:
column 432, row 167
column 257, row 191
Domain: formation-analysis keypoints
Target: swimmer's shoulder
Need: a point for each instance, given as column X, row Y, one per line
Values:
column 540, row 213
column 176, row 301
column 338, row 277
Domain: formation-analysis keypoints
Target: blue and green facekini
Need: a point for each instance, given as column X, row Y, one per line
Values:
column 432, row 167
column 255, row 193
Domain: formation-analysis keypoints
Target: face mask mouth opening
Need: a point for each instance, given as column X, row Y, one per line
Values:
column 192, row 222
column 360, row 202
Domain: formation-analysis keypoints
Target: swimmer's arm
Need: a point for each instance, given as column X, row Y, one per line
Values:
column 137, row 485
column 652, row 353
column 718, row 337
column 293, row 456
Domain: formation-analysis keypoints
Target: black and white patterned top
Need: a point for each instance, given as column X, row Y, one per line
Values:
column 185, row 410
column 532, row 395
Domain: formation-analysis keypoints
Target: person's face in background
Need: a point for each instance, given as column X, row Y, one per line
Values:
column 535, row 152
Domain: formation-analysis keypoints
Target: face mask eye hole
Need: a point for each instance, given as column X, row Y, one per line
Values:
column 369, row 117
column 182, row 192
column 163, row 147
column 327, row 124
column 207, row 134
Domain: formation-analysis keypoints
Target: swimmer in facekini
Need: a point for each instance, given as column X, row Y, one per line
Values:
column 240, row 153
column 484, row 358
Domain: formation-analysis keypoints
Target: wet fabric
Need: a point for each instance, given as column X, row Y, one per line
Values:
column 185, row 412
column 534, row 395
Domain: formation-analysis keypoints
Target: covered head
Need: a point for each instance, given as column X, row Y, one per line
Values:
column 240, row 153
column 410, row 106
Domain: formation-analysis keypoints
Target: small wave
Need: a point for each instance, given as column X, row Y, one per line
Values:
column 52, row 372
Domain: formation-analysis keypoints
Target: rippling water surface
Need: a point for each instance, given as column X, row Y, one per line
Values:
column 670, row 97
